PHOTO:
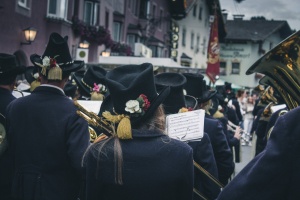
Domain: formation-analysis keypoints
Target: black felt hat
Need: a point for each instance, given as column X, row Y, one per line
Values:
column 126, row 84
column 176, row 99
column 196, row 87
column 93, row 75
column 58, row 49
column 9, row 65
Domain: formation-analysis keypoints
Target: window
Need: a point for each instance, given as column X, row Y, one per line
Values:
column 160, row 18
column 153, row 10
column 192, row 40
column 195, row 11
column 117, row 31
column 204, row 46
column 58, row 8
column 91, row 13
column 133, row 7
column 23, row 3
column 197, row 44
column 131, row 41
column 235, row 68
column 223, row 68
column 200, row 13
column 106, row 19
column 183, row 37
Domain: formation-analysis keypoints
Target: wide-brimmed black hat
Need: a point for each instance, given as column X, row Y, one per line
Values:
column 196, row 86
column 176, row 99
column 58, row 49
column 9, row 65
column 131, row 83
column 93, row 75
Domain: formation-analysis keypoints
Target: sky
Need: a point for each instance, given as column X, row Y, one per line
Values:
column 288, row 10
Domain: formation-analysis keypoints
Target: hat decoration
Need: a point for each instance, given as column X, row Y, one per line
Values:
column 135, row 108
column 55, row 72
column 131, row 100
column 56, row 58
column 92, row 82
column 98, row 91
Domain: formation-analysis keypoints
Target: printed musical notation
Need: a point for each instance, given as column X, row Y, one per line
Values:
column 187, row 126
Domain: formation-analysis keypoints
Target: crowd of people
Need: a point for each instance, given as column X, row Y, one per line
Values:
column 46, row 151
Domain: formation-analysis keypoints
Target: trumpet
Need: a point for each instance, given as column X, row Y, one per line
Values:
column 94, row 120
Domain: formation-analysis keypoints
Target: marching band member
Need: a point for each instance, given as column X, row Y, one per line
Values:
column 47, row 139
column 213, row 127
column 139, row 161
column 9, row 69
column 202, row 149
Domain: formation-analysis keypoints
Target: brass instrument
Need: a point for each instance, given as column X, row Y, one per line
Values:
column 232, row 127
column 95, row 121
column 281, row 65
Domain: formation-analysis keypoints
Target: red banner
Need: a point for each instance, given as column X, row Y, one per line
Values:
column 213, row 52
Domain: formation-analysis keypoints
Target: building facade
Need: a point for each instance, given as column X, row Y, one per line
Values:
column 246, row 42
column 106, row 25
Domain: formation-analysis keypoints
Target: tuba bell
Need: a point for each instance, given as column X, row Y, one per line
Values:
column 281, row 65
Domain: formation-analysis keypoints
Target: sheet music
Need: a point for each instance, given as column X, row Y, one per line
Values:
column 187, row 126
column 91, row 106
column 277, row 107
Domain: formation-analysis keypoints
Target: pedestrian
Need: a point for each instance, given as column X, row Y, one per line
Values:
column 47, row 139
column 139, row 161
column 213, row 127
column 203, row 154
column 9, row 69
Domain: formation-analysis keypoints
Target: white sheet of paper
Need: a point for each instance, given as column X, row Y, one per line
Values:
column 277, row 107
column 19, row 94
column 187, row 126
column 91, row 106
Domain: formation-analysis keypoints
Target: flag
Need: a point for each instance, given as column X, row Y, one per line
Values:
column 213, row 52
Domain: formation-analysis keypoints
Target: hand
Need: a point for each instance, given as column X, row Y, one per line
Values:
column 237, row 133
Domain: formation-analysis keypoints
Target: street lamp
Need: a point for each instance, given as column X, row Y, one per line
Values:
column 30, row 34
column 84, row 45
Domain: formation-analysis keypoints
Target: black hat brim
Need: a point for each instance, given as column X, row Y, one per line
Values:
column 107, row 105
column 78, row 77
column 207, row 95
column 76, row 65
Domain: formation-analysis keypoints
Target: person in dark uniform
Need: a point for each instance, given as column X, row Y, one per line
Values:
column 91, row 84
column 139, row 161
column 9, row 69
column 202, row 149
column 47, row 141
column 213, row 127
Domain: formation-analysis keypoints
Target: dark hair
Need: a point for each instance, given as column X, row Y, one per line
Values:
column 156, row 122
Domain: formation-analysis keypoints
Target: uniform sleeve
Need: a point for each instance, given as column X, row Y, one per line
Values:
column 188, row 178
column 268, row 175
column 204, row 156
column 223, row 154
column 77, row 141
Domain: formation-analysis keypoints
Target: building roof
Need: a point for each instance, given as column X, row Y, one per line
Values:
column 255, row 30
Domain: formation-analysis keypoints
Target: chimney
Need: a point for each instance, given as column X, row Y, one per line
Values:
column 238, row 17
column 225, row 15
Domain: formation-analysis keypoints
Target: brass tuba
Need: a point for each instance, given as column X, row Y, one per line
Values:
column 281, row 65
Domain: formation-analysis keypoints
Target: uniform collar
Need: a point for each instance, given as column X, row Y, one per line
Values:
column 147, row 133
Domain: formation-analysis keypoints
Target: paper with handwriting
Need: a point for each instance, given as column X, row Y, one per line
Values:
column 187, row 126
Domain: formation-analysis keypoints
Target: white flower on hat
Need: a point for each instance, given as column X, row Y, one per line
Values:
column 36, row 75
column 133, row 106
column 46, row 61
